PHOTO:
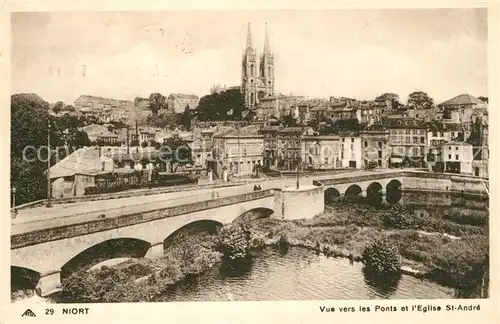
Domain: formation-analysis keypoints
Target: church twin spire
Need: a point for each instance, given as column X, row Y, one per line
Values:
column 267, row 49
column 257, row 75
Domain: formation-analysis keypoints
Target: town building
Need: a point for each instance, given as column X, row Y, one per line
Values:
column 289, row 146
column 276, row 106
column 351, row 154
column 375, row 142
column 424, row 114
column 94, row 131
column 439, row 133
column 178, row 102
column 407, row 142
column 104, row 109
column 270, row 145
column 77, row 171
column 460, row 109
column 143, row 136
column 257, row 77
column 321, row 152
column 456, row 157
column 237, row 153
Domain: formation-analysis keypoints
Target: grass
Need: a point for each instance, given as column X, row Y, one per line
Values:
column 348, row 228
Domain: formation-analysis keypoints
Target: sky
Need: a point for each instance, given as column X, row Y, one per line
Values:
column 351, row 53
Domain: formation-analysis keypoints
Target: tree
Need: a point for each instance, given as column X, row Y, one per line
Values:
column 485, row 99
column 58, row 107
column 382, row 258
column 157, row 101
column 389, row 96
column 175, row 151
column 29, row 119
column 250, row 116
column 69, row 108
column 398, row 217
column 419, row 100
column 79, row 139
column 186, row 118
column 288, row 121
column 226, row 105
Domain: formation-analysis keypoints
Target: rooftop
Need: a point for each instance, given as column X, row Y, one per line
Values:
column 84, row 160
column 463, row 99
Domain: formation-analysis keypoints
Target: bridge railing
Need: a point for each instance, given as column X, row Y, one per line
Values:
column 99, row 225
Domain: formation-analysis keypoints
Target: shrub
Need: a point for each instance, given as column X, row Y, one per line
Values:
column 234, row 241
column 398, row 217
column 382, row 257
column 475, row 218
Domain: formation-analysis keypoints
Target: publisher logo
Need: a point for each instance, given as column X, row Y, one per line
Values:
column 28, row 313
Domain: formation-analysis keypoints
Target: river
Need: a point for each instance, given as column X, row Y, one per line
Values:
column 297, row 275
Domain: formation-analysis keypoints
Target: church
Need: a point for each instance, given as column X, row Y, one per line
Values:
column 257, row 84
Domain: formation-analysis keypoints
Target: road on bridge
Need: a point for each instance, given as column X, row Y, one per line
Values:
column 65, row 214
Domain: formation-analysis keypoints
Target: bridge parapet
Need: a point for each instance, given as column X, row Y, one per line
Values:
column 99, row 225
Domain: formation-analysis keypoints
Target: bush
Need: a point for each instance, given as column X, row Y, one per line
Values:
column 382, row 257
column 475, row 219
column 398, row 217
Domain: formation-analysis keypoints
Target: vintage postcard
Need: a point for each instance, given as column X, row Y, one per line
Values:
column 303, row 164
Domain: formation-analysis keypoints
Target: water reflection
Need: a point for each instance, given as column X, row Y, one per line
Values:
column 299, row 275
column 383, row 285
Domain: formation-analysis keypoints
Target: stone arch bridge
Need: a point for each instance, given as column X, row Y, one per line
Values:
column 46, row 253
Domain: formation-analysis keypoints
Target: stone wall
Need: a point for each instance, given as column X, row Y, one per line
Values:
column 305, row 202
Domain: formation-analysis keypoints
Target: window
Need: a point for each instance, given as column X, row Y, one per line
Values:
column 379, row 144
column 415, row 140
column 352, row 147
column 326, row 160
column 449, row 156
column 379, row 154
column 352, row 140
column 456, row 156
column 366, row 144
column 456, row 148
column 422, row 139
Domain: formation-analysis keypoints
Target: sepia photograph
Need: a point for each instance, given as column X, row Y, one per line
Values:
column 249, row 155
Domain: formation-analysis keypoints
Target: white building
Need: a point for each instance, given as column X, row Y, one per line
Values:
column 457, row 157
column 350, row 151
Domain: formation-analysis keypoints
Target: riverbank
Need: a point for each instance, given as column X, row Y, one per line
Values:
column 448, row 251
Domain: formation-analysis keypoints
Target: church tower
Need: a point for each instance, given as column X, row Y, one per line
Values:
column 257, row 80
column 267, row 67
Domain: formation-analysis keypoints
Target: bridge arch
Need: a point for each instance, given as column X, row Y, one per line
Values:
column 23, row 278
column 331, row 195
column 353, row 193
column 196, row 227
column 109, row 249
column 374, row 193
column 394, row 191
column 253, row 214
